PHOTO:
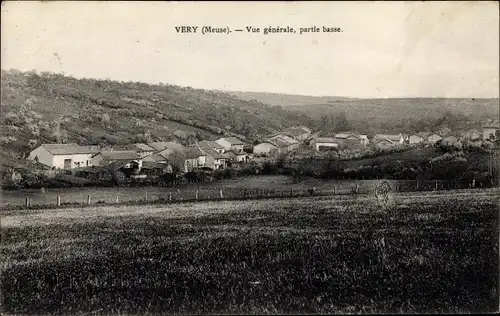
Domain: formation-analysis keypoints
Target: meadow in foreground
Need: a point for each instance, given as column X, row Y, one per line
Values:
column 279, row 256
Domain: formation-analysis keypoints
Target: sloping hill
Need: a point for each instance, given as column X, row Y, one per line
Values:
column 39, row 108
column 388, row 115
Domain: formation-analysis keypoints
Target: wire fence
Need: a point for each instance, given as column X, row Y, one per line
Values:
column 172, row 195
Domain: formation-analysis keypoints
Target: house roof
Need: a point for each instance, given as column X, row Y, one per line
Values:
column 143, row 147
column 233, row 140
column 277, row 142
column 285, row 138
column 345, row 135
column 380, row 140
column 295, row 131
column 193, row 152
column 232, row 153
column 69, row 149
column 120, row 155
column 326, row 140
column 206, row 148
column 158, row 146
column 392, row 138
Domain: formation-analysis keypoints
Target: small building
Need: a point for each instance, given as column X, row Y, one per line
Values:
column 142, row 149
column 285, row 142
column 473, row 135
column 194, row 159
column 491, row 131
column 415, row 138
column 395, row 139
column 214, row 145
column 433, row 138
column 231, row 143
column 64, row 156
column 324, row 143
column 450, row 139
column 265, row 148
column 298, row 133
column 237, row 156
column 383, row 143
column 214, row 159
column 349, row 140
column 364, row 139
column 124, row 157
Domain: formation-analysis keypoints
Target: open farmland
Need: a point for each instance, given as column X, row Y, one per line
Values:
column 432, row 252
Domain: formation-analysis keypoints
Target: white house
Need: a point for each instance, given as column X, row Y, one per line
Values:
column 394, row 139
column 433, row 138
column 324, row 143
column 490, row 131
column 264, row 148
column 230, row 143
column 415, row 139
column 64, row 156
column 214, row 159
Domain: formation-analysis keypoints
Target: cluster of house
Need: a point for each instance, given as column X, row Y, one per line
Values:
column 204, row 154
column 228, row 151
column 283, row 142
column 349, row 140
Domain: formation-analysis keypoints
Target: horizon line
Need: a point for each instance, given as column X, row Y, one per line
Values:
column 230, row 91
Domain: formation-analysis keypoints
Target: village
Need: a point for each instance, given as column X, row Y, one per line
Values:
column 140, row 160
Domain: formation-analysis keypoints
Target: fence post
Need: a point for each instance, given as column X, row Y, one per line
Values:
column 170, row 196
column 436, row 185
column 196, row 194
column 334, row 189
column 473, row 183
column 357, row 188
column 27, row 201
column 58, row 201
column 291, row 192
column 220, row 193
column 116, row 201
column 417, row 185
column 88, row 199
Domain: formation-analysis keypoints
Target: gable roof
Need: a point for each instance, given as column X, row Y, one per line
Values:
column 326, row 140
column 295, row 131
column 69, row 149
column 205, row 147
column 232, row 153
column 120, row 155
column 193, row 152
column 393, row 138
column 277, row 142
column 344, row 135
column 380, row 140
column 158, row 146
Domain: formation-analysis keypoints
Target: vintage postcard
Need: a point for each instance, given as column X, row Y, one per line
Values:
column 249, row 157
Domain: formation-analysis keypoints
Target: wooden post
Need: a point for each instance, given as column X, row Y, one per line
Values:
column 58, row 201
column 436, row 185
column 88, row 199
column 146, row 195
column 197, row 194
column 170, row 196
column 27, row 201
column 417, row 185
column 220, row 193
column 473, row 183
column 334, row 189
column 357, row 188
column 291, row 192
column 116, row 201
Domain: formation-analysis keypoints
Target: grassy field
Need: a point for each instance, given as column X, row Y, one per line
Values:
column 309, row 255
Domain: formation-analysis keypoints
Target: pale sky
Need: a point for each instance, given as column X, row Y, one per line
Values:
column 395, row 49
